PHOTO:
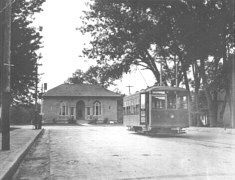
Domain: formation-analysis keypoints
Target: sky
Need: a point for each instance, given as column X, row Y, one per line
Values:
column 63, row 44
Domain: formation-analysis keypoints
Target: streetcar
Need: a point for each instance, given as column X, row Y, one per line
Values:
column 158, row 109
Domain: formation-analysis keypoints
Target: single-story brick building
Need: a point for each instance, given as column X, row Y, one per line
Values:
column 81, row 102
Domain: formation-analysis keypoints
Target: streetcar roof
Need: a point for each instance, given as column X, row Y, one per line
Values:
column 165, row 88
column 157, row 88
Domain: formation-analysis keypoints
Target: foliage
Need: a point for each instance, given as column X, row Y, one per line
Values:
column 71, row 120
column 22, row 114
column 197, row 34
column 94, row 75
column 93, row 120
column 106, row 121
column 25, row 41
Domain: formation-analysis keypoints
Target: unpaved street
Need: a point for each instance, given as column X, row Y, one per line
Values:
column 112, row 152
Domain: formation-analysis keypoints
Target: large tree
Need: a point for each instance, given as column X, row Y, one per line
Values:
column 25, row 41
column 197, row 34
column 94, row 75
column 208, row 46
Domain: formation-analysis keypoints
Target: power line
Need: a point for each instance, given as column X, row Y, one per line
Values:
column 142, row 76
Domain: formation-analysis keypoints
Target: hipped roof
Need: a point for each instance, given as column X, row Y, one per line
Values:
column 80, row 90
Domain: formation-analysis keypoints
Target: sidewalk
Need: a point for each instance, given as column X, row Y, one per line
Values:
column 21, row 139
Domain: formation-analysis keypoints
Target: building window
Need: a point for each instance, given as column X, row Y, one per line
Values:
column 97, row 108
column 88, row 110
column 63, row 109
column 72, row 111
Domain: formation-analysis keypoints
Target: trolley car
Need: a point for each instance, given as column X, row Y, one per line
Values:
column 158, row 109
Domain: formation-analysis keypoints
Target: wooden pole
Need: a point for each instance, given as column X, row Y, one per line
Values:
column 5, row 75
column 36, row 99
column 1, row 47
column 129, row 87
column 1, row 57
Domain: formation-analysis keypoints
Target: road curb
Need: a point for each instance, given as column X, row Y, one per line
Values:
column 12, row 169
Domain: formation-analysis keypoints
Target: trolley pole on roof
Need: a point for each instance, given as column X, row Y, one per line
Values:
column 5, row 33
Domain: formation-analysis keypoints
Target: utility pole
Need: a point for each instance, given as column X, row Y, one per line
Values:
column 5, row 71
column 36, row 99
column 1, row 57
column 129, row 87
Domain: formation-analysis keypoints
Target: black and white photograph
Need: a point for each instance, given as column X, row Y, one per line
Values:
column 117, row 89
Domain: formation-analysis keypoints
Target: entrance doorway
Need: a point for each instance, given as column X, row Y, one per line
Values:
column 80, row 110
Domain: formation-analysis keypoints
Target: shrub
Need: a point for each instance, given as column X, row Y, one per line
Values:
column 93, row 120
column 22, row 114
column 71, row 120
column 54, row 120
column 106, row 120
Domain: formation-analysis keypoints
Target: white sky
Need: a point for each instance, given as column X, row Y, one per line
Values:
column 63, row 44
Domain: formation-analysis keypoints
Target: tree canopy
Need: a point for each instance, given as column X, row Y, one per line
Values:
column 195, row 35
column 94, row 75
column 143, row 33
column 25, row 41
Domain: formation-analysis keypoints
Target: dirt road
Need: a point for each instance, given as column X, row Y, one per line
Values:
column 112, row 152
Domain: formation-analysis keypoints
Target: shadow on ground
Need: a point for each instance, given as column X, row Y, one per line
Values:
column 162, row 135
column 61, row 124
column 11, row 129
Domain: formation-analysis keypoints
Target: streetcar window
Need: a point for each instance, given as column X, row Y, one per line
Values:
column 142, row 101
column 158, row 102
column 128, row 110
column 171, row 100
column 137, row 109
column 142, row 116
column 181, row 102
column 132, row 107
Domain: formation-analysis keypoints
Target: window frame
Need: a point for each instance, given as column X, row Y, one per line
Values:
column 159, row 96
column 97, row 108
column 70, row 110
column 88, row 108
column 63, row 109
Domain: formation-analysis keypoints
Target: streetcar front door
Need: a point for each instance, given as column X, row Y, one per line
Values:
column 144, row 108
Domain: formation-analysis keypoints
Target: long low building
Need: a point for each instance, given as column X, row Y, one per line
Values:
column 81, row 102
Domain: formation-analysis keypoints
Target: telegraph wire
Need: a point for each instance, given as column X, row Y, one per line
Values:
column 142, row 76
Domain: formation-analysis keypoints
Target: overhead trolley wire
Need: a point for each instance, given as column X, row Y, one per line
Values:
column 142, row 76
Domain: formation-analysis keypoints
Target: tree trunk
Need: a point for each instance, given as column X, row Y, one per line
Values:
column 211, row 111
column 221, row 113
column 196, row 92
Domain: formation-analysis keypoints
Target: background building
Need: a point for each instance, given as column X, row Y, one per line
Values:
column 81, row 102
